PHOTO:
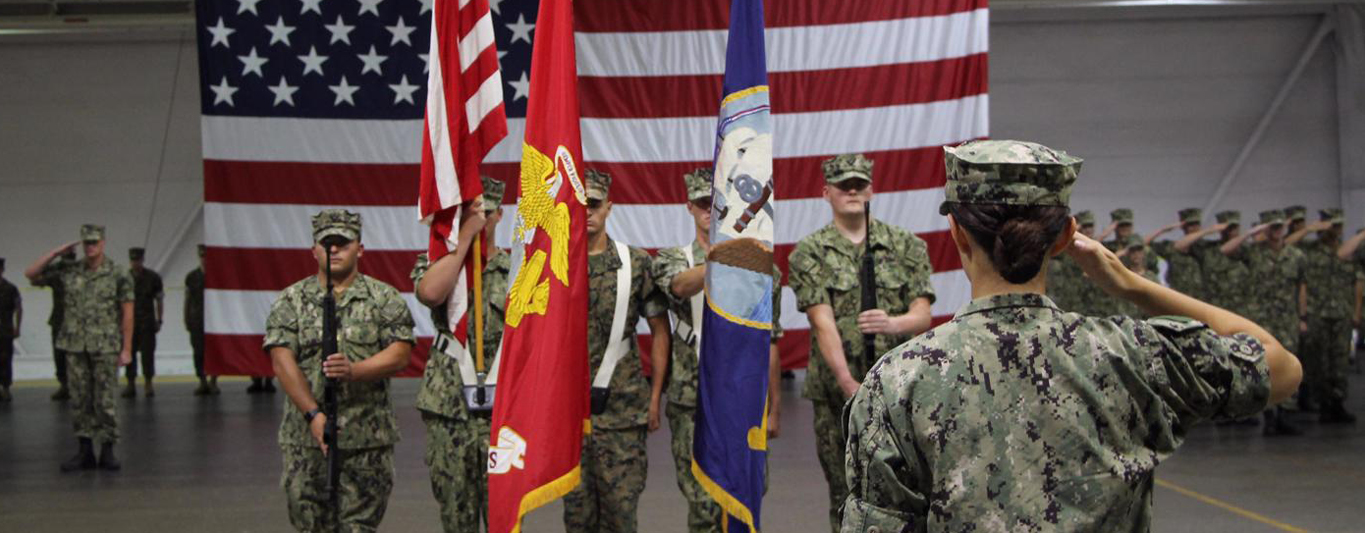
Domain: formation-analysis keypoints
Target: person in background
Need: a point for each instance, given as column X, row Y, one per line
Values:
column 148, row 310
column 11, row 317
column 194, row 325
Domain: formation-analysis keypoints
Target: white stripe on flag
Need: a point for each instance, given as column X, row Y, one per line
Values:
column 794, row 49
column 438, row 133
column 484, row 101
column 473, row 43
column 244, row 312
column 616, row 140
column 283, row 226
column 279, row 226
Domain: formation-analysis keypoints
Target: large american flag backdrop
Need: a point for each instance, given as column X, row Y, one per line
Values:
column 319, row 103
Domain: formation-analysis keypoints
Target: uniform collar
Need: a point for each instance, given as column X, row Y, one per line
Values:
column 608, row 259
column 1015, row 299
column 359, row 289
column 836, row 241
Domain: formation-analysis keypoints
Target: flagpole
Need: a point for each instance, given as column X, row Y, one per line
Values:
column 478, row 304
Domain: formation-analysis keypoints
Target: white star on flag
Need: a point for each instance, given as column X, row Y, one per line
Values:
column 284, row 93
column 403, row 91
column 401, row 32
column 492, row 6
column 345, row 92
column 222, row 93
column 312, row 5
column 340, row 31
column 521, row 30
column 426, row 62
column 521, row 88
column 220, row 34
column 252, row 63
column 247, row 5
column 372, row 62
column 369, row 5
column 312, row 62
column 426, row 6
column 279, row 32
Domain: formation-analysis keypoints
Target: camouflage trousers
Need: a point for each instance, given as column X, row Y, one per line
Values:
column 92, row 378
column 703, row 515
column 362, row 493
column 1326, row 354
column 829, row 449
column 457, row 455
column 607, row 500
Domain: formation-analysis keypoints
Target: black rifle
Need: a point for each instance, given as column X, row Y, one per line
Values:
column 329, row 390
column 867, row 279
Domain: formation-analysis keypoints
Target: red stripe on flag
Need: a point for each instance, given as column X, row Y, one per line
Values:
column 801, row 177
column 653, row 16
column 273, row 269
column 241, row 355
column 792, row 92
column 269, row 182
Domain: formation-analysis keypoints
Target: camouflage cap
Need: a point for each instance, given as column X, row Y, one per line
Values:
column 136, row 254
column 1272, row 216
column 492, row 193
column 846, row 167
column 92, row 232
column 1193, row 215
column 1296, row 212
column 341, row 222
column 1134, row 241
column 1008, row 173
column 1229, row 217
column 1121, row 216
column 1333, row 215
column 1085, row 218
column 698, row 183
column 599, row 184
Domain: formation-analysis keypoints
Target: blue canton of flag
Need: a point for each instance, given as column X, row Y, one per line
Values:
column 731, row 444
column 346, row 59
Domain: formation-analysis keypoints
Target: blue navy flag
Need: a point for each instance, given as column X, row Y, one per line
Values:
column 731, row 443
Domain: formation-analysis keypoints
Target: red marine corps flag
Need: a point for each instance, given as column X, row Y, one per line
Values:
column 541, row 411
column 465, row 118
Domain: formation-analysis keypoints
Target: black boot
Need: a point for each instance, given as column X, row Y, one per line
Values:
column 84, row 458
column 107, row 459
column 1334, row 412
column 1276, row 423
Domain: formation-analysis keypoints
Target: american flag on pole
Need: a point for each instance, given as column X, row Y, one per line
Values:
column 464, row 119
column 310, row 104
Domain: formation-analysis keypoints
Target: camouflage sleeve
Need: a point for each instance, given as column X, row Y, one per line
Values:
column 917, row 259
column 1165, row 249
column 805, row 271
column 1301, row 270
column 878, row 465
column 50, row 274
column 282, row 325
column 777, row 304
column 419, row 269
column 670, row 262
column 124, row 286
column 652, row 300
column 1202, row 375
column 396, row 319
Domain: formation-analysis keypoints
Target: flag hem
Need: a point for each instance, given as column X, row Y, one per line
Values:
column 547, row 493
column 731, row 505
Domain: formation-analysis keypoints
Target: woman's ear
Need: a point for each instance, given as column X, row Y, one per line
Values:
column 1064, row 238
column 960, row 239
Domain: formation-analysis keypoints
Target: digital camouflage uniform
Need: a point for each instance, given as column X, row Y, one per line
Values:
column 49, row 278
column 194, row 316
column 1125, row 307
column 1326, row 350
column 371, row 316
column 1227, row 279
column 1066, row 284
column 92, row 338
column 823, row 269
column 1125, row 216
column 147, row 289
column 1018, row 416
column 615, row 461
column 1274, row 300
column 703, row 515
column 457, row 439
column 1183, row 271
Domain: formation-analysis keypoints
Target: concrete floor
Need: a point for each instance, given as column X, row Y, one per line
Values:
column 212, row 465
